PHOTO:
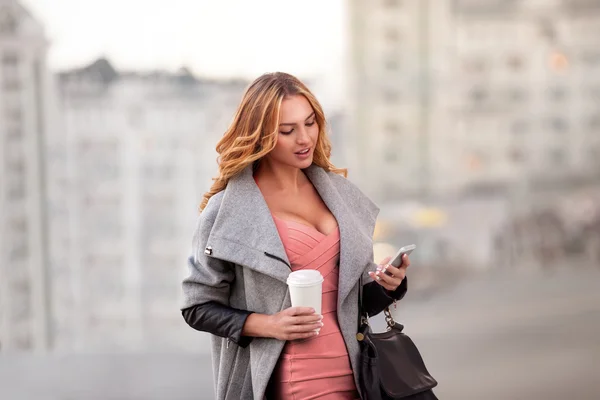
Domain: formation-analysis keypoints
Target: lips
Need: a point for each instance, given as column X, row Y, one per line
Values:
column 302, row 152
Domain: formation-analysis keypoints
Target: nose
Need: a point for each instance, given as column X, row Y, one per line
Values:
column 302, row 136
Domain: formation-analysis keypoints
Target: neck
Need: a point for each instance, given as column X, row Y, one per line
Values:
column 280, row 177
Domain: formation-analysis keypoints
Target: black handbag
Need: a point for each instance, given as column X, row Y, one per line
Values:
column 391, row 366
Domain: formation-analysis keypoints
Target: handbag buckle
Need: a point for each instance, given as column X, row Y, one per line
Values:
column 364, row 321
column 389, row 319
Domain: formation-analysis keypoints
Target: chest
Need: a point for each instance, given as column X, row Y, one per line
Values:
column 305, row 207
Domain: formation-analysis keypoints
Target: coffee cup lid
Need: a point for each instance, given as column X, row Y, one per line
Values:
column 304, row 277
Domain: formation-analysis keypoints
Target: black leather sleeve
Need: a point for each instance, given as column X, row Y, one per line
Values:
column 220, row 320
column 376, row 298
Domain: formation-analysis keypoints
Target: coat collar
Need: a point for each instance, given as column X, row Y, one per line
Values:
column 244, row 231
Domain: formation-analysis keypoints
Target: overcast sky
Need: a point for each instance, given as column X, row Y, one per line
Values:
column 212, row 37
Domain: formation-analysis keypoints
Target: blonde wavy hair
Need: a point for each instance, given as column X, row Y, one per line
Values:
column 254, row 130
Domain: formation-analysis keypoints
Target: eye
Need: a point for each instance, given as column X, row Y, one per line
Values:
column 287, row 132
column 310, row 123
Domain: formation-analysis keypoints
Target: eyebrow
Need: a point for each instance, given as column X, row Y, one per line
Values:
column 293, row 123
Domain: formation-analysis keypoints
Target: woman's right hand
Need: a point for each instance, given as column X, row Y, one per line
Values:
column 295, row 323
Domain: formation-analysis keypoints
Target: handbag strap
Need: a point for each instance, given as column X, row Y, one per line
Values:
column 362, row 323
column 363, row 317
column 360, row 294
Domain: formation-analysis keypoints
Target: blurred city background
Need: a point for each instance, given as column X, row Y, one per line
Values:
column 474, row 124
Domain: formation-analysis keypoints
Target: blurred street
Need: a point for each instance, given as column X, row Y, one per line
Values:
column 502, row 338
column 498, row 336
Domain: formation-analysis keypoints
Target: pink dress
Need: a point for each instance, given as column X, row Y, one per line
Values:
column 319, row 367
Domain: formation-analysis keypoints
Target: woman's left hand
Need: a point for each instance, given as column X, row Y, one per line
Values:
column 389, row 276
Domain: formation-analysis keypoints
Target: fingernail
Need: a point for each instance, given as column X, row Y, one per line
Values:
column 378, row 278
column 317, row 332
column 322, row 324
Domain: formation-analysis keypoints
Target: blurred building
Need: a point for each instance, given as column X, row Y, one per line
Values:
column 24, row 101
column 458, row 96
column 139, row 155
column 385, row 112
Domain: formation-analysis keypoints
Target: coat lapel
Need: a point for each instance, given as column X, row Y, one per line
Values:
column 356, row 216
column 244, row 231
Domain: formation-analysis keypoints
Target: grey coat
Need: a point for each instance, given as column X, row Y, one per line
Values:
column 238, row 260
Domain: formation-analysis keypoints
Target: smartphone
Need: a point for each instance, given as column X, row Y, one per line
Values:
column 397, row 260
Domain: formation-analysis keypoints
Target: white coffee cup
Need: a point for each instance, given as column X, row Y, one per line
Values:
column 306, row 288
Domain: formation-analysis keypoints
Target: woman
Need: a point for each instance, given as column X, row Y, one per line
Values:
column 279, row 205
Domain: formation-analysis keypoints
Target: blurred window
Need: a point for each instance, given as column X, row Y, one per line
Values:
column 20, row 308
column 392, row 34
column 102, row 200
column 16, row 190
column 393, row 3
column 107, row 227
column 516, row 95
column 16, row 187
column 557, row 156
column 582, row 5
column 161, row 172
column 515, row 62
column 8, row 22
column 14, row 132
column 18, row 225
column 102, row 147
column 478, row 94
column 591, row 58
column 392, row 63
column 391, row 94
column 107, row 292
column 10, row 71
column 392, row 128
column 557, row 93
column 16, row 166
column 159, row 201
column 19, row 250
column 11, row 80
column 516, row 155
column 22, row 340
column 392, row 135
column 100, row 262
column 14, row 115
column 10, row 59
column 158, row 229
column 595, row 93
column 391, row 155
column 594, row 154
column 519, row 126
column 474, row 65
column 594, row 123
column 20, row 276
column 558, row 124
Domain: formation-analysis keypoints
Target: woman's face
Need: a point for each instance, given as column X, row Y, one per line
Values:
column 298, row 133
